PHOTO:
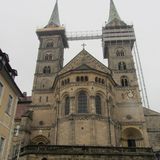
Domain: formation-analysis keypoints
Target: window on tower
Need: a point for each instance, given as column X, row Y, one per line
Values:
column 49, row 44
column 124, row 81
column 48, row 57
column 120, row 52
column 82, row 102
column 47, row 70
column 122, row 66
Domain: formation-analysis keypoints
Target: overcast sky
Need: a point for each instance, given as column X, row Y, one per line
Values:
column 19, row 20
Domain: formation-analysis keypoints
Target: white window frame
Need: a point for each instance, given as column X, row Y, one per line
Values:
column 2, row 147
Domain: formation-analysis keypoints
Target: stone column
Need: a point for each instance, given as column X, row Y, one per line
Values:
column 72, row 105
column 92, row 104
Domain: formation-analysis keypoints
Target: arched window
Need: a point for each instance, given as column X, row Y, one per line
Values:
column 124, row 81
column 86, row 78
column 46, row 57
column 98, row 104
column 49, row 45
column 82, row 78
column 120, row 52
column 67, row 105
column 77, row 79
column 47, row 99
column 47, row 69
column 122, row 66
column 50, row 57
column 82, row 102
column 96, row 79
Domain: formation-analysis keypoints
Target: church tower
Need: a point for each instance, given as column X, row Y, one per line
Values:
column 118, row 45
column 50, row 56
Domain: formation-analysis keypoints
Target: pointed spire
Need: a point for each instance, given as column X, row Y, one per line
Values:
column 54, row 20
column 113, row 12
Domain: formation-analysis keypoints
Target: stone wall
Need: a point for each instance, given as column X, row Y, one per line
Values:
column 153, row 127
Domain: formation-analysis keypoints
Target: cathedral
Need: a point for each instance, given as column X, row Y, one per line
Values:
column 86, row 110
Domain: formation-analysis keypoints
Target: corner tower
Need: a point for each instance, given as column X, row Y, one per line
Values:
column 51, row 52
column 118, row 43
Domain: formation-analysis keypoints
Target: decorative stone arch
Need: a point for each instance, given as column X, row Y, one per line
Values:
column 82, row 89
column 40, row 140
column 132, row 137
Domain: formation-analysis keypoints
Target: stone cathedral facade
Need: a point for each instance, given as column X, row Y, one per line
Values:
column 85, row 110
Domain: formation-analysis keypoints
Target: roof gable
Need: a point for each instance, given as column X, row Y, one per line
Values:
column 84, row 61
column 149, row 112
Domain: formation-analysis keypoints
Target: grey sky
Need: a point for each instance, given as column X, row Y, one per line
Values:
column 19, row 20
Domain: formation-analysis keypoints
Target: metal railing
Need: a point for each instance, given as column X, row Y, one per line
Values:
column 83, row 150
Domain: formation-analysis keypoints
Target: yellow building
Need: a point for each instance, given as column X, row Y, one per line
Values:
column 9, row 93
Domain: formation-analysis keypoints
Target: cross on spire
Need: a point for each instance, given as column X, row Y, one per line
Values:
column 83, row 45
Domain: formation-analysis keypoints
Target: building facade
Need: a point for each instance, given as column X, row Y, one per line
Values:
column 9, row 93
column 86, row 110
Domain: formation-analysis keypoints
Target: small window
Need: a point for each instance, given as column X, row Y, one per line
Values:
column 47, row 99
column 9, row 104
column 46, row 57
column 1, row 89
column 47, row 70
column 96, row 79
column 68, row 80
column 77, row 79
column 124, row 81
column 50, row 57
column 67, row 105
column 40, row 99
column 82, row 78
column 122, row 66
column 62, row 83
column 82, row 102
column 120, row 52
column 1, row 144
column 49, row 45
column 86, row 78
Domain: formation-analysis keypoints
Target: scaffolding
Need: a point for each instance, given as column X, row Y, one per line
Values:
column 84, row 35
column 112, row 35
